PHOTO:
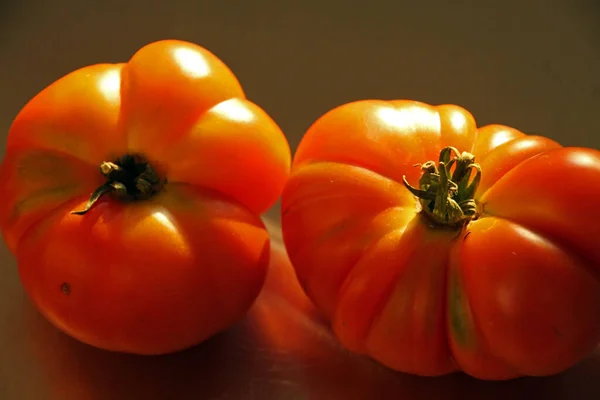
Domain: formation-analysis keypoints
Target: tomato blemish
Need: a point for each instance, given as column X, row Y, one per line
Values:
column 66, row 288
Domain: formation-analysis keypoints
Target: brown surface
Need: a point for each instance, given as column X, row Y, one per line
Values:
column 530, row 64
column 281, row 350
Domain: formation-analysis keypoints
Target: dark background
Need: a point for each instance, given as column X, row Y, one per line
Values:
column 531, row 64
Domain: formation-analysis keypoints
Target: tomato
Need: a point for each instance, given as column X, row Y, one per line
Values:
column 433, row 245
column 132, row 196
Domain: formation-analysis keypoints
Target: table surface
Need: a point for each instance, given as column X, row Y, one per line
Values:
column 281, row 350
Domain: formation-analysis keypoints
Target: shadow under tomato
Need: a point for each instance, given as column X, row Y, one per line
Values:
column 282, row 349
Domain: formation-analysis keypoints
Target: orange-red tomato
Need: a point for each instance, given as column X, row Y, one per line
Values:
column 174, row 250
column 495, row 273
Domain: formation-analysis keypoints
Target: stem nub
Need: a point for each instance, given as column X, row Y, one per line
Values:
column 446, row 191
column 130, row 178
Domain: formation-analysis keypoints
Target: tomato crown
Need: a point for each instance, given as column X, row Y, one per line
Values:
column 446, row 191
column 129, row 178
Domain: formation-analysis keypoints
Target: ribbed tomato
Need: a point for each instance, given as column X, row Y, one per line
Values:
column 132, row 195
column 433, row 245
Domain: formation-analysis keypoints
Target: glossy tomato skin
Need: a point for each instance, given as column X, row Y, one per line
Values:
column 157, row 275
column 516, row 292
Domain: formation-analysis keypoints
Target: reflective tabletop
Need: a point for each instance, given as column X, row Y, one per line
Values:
column 282, row 349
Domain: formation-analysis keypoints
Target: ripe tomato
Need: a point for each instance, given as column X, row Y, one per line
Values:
column 489, row 265
column 170, row 247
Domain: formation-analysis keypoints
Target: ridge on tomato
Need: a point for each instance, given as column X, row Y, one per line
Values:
column 132, row 195
column 433, row 245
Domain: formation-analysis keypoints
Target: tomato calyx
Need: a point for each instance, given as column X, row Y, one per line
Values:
column 129, row 178
column 446, row 191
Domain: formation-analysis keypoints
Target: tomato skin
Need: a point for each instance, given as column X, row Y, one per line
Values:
column 516, row 292
column 158, row 275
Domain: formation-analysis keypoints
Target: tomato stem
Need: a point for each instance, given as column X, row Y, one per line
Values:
column 130, row 178
column 446, row 191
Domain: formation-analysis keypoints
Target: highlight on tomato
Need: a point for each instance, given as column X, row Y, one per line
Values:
column 132, row 196
column 433, row 245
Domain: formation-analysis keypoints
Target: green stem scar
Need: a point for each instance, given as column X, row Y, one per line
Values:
column 130, row 178
column 446, row 191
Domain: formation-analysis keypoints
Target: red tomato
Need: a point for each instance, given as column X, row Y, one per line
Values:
column 489, row 265
column 172, row 248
